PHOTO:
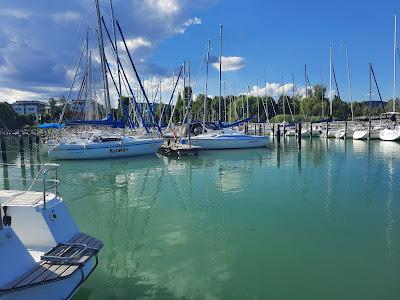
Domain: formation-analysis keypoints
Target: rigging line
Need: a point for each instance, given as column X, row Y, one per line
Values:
column 4, row 124
column 138, row 78
column 376, row 84
column 72, row 84
column 126, row 79
column 336, row 84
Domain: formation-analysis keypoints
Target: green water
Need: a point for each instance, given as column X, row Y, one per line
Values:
column 270, row 223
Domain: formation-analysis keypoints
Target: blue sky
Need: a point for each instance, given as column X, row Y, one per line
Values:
column 40, row 42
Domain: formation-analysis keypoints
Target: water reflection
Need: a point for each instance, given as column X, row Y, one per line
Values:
column 220, row 225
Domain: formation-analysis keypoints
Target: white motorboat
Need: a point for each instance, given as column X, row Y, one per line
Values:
column 45, row 256
column 227, row 139
column 100, row 146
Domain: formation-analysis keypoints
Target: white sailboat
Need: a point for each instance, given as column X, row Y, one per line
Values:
column 45, row 256
column 392, row 132
column 105, row 146
column 225, row 138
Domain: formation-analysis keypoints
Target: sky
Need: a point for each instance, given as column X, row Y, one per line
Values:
column 268, row 42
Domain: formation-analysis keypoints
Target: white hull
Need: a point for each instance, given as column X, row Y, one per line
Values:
column 363, row 134
column 105, row 150
column 306, row 133
column 390, row 134
column 63, row 289
column 241, row 142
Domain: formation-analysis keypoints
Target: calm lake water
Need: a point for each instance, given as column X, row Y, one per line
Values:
column 274, row 223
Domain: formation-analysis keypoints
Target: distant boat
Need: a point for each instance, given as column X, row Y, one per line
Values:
column 227, row 139
column 45, row 256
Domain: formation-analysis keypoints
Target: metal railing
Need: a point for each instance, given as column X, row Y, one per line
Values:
column 55, row 182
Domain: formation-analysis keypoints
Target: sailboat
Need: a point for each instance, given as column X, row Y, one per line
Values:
column 373, row 130
column 104, row 144
column 392, row 132
column 45, row 255
column 222, row 138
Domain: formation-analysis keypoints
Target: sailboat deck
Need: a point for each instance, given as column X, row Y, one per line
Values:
column 59, row 263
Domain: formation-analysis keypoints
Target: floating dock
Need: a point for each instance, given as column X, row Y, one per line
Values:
column 179, row 150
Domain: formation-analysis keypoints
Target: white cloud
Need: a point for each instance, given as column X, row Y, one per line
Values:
column 230, row 63
column 16, row 13
column 185, row 25
column 67, row 16
column 11, row 95
column 276, row 89
column 164, row 7
column 135, row 43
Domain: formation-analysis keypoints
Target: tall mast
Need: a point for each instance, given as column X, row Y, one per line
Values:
column 103, row 66
column 258, row 105
column 205, row 98
column 330, row 80
column 294, row 111
column 220, row 71
column 305, row 79
column 87, row 65
column 266, row 97
column 349, row 81
column 116, row 53
column 394, row 62
column 283, row 100
column 322, row 93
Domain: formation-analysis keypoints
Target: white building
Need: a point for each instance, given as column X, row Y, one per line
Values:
column 29, row 107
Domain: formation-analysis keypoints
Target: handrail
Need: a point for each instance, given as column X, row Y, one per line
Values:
column 48, row 168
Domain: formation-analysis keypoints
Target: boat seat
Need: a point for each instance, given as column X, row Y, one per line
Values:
column 59, row 263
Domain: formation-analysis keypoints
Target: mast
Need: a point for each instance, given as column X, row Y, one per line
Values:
column 330, row 80
column 283, row 100
column 220, row 71
column 394, row 62
column 205, row 98
column 294, row 111
column 258, row 105
column 349, row 82
column 322, row 93
column 266, row 97
column 87, row 64
column 102, row 55
column 116, row 53
column 305, row 79
column 188, row 109
column 370, row 90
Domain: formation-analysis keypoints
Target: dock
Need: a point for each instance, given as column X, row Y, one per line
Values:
column 179, row 150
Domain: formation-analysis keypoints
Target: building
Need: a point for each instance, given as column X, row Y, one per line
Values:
column 29, row 107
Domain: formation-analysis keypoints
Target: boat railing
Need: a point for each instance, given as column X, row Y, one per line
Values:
column 49, row 183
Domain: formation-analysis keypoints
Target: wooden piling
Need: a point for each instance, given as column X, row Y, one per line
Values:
column 369, row 129
column 327, row 129
column 37, row 138
column 310, row 129
column 299, row 135
column 3, row 147
column 30, row 140
column 21, row 147
column 345, row 129
column 278, row 134
column 273, row 130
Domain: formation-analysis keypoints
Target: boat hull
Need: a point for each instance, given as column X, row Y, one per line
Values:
column 105, row 150
column 390, row 134
column 61, row 289
column 363, row 135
